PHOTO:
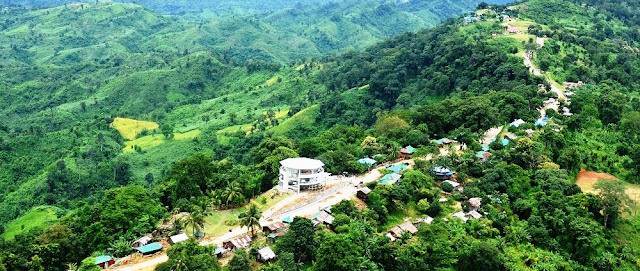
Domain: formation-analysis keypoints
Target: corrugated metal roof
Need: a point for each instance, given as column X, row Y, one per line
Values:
column 150, row 248
column 103, row 259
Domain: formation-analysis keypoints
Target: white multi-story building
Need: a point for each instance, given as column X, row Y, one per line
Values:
column 301, row 173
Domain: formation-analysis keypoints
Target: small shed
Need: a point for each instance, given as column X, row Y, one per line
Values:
column 266, row 254
column 220, row 252
column 406, row 152
column 396, row 232
column 105, row 261
column 363, row 192
column 178, row 238
column 150, row 248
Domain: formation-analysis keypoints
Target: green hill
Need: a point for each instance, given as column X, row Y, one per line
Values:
column 38, row 217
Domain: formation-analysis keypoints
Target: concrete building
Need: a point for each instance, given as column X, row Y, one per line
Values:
column 301, row 173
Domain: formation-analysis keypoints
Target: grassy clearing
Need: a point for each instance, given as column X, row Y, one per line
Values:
column 305, row 116
column 215, row 224
column 129, row 128
column 151, row 141
column 37, row 217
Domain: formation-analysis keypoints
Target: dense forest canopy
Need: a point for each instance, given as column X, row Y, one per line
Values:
column 117, row 121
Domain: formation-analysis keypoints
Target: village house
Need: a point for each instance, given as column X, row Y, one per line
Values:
column 399, row 168
column 444, row 142
column 483, row 156
column 390, row 178
column 149, row 249
column 442, row 173
column 265, row 254
column 178, row 238
column 141, row 242
column 397, row 231
column 529, row 132
column 104, row 261
column 322, row 217
column 275, row 227
column 301, row 173
column 517, row 123
column 367, row 161
column 460, row 215
column 406, row 152
column 363, row 192
column 240, row 242
column 474, row 203
column 513, row 30
column 570, row 85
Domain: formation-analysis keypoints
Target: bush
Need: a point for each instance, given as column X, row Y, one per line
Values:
column 446, row 187
column 423, row 205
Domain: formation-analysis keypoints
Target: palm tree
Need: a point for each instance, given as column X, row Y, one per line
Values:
column 233, row 192
column 195, row 219
column 251, row 218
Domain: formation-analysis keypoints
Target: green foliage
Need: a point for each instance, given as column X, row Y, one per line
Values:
column 190, row 256
column 251, row 218
column 240, row 261
column 481, row 256
column 299, row 240
column 615, row 200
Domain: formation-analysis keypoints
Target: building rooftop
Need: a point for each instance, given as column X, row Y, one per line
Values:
column 266, row 253
column 103, row 259
column 179, row 238
column 301, row 163
column 149, row 248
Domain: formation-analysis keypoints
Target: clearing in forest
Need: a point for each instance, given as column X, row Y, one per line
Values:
column 587, row 179
column 37, row 217
column 130, row 128
column 149, row 141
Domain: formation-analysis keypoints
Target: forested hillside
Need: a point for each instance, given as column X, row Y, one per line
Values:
column 118, row 122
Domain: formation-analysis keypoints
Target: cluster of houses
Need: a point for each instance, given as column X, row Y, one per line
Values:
column 144, row 246
column 407, row 227
column 570, row 85
column 474, row 206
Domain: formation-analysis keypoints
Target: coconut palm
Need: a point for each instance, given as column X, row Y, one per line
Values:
column 251, row 218
column 195, row 219
column 232, row 193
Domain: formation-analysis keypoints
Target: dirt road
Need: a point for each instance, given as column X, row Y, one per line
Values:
column 491, row 134
column 149, row 264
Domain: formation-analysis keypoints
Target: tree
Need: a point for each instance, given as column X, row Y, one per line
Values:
column 195, row 219
column 339, row 253
column 240, row 261
column 167, row 130
column 391, row 125
column 614, row 200
column 189, row 255
column 481, row 256
column 299, row 240
column 251, row 218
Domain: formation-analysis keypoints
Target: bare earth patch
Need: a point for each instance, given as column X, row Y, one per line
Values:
column 587, row 179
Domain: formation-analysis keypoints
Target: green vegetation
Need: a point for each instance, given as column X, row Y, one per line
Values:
column 225, row 99
column 38, row 217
